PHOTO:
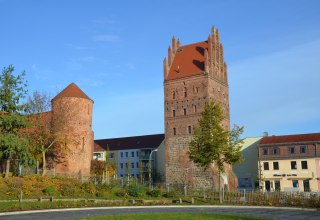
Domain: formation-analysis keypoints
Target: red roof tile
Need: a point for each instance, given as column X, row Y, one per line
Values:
column 188, row 61
column 315, row 137
column 72, row 90
column 97, row 148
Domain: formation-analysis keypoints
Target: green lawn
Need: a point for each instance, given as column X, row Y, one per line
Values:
column 172, row 216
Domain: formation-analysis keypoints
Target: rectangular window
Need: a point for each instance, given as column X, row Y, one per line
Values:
column 174, row 113
column 293, row 165
column 266, row 165
column 184, row 111
column 132, row 165
column 121, row 165
column 174, row 131
column 295, row 183
column 195, row 108
column 304, row 165
column 121, row 175
column 137, row 153
column 302, row 149
column 275, row 165
column 265, row 151
column 137, row 165
column 189, row 129
column 121, row 154
column 127, row 154
column 275, row 151
column 111, row 155
column 292, row 150
column 132, row 154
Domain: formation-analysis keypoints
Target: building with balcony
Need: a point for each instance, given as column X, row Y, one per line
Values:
column 290, row 162
column 132, row 155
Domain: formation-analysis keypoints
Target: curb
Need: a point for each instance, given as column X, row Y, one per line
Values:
column 151, row 207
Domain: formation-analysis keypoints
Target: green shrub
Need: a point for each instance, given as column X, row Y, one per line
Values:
column 68, row 191
column 122, row 193
column 88, row 187
column 135, row 190
column 171, row 194
column 49, row 190
column 154, row 193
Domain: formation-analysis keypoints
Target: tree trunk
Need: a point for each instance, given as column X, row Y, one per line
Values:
column 7, row 168
column 44, row 165
column 220, row 193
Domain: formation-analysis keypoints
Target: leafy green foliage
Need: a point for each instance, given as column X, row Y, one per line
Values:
column 154, row 193
column 136, row 190
column 12, row 120
column 49, row 190
column 212, row 143
column 171, row 194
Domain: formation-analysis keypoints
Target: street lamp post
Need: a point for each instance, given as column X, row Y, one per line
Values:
column 150, row 179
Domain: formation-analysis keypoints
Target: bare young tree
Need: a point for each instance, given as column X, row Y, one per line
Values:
column 47, row 131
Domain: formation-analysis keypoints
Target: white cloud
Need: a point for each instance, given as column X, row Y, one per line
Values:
column 278, row 90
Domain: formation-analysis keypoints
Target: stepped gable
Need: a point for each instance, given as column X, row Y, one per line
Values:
column 127, row 143
column 297, row 138
column 188, row 61
column 72, row 90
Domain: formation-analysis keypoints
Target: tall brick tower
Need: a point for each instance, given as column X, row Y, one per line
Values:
column 72, row 114
column 193, row 75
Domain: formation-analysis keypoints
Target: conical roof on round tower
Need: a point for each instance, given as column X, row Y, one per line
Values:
column 72, row 90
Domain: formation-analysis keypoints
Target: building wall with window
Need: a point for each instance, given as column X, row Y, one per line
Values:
column 289, row 175
column 290, row 162
column 133, row 155
column 194, row 75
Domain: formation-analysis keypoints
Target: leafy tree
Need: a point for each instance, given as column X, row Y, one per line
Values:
column 212, row 143
column 41, row 133
column 12, row 143
column 47, row 132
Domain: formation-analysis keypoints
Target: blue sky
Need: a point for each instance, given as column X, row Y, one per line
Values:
column 114, row 50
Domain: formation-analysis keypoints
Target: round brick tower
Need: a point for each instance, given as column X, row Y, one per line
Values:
column 72, row 121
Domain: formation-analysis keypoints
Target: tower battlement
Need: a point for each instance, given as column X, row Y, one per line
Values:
column 194, row 74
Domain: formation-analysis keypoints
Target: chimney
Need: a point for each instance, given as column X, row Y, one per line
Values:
column 265, row 134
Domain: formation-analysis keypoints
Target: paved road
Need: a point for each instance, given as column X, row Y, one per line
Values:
column 267, row 212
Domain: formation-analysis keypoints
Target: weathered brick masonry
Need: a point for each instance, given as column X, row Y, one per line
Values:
column 193, row 75
column 77, row 150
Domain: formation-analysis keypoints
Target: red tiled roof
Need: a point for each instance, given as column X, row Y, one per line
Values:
column 291, row 138
column 188, row 61
column 72, row 90
column 126, row 143
column 97, row 148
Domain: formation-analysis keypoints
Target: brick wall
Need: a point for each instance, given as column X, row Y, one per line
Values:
column 76, row 151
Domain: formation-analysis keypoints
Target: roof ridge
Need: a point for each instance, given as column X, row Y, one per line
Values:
column 72, row 90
